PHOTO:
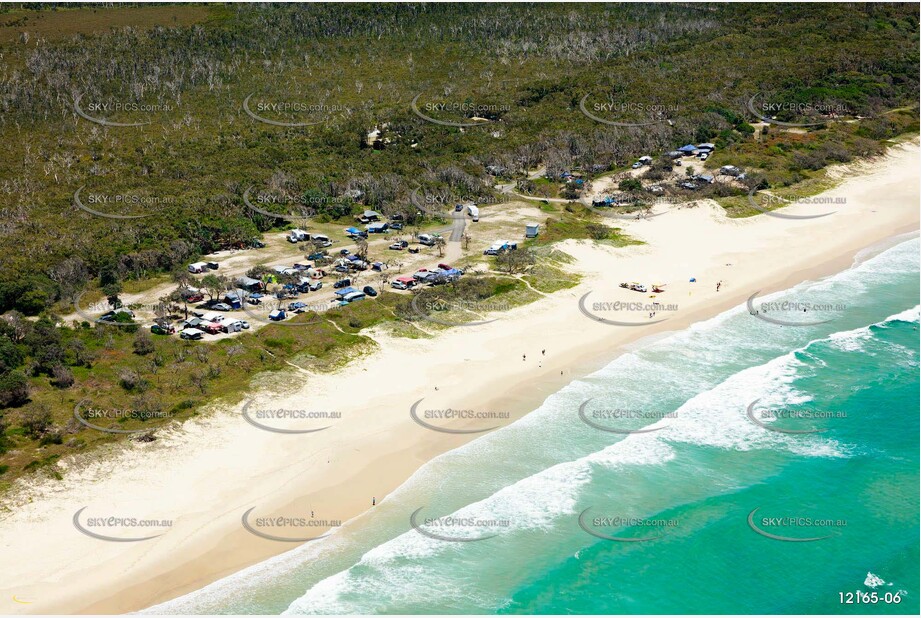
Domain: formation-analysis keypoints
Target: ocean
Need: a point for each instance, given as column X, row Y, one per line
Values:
column 740, row 466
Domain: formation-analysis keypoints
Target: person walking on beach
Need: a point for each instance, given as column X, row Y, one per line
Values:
column 373, row 501
column 524, row 357
column 718, row 286
column 543, row 352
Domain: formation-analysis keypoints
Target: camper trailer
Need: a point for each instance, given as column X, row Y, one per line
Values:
column 297, row 236
column 530, row 230
column 322, row 239
column 474, row 212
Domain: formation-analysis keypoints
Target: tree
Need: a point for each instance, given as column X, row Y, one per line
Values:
column 214, row 285
column 36, row 419
column 361, row 248
column 440, row 245
column 516, row 260
column 14, row 389
column 143, row 344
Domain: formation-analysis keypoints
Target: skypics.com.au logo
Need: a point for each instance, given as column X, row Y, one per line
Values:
column 437, row 419
column 625, row 528
column 98, row 112
column 288, row 528
column 627, row 113
column 625, row 312
column 289, row 420
column 120, row 528
column 457, row 528
column 288, row 111
column 796, row 113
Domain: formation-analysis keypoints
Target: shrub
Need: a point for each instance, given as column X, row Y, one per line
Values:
column 62, row 377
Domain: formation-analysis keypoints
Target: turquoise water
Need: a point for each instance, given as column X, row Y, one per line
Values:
column 700, row 472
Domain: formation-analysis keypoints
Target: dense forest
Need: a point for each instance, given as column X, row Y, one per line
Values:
column 354, row 68
column 180, row 109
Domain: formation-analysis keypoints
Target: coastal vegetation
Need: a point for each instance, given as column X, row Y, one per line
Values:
column 374, row 90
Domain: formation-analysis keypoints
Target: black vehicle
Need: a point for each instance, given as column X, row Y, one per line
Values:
column 458, row 207
column 368, row 290
column 342, row 283
column 396, row 226
column 344, row 251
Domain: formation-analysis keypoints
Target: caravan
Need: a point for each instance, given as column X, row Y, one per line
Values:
column 500, row 246
column 296, row 236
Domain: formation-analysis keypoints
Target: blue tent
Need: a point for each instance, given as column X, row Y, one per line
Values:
column 352, row 230
column 688, row 148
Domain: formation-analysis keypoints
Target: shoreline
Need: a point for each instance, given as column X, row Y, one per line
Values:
column 205, row 484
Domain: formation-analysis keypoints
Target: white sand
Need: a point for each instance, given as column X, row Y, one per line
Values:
column 206, row 474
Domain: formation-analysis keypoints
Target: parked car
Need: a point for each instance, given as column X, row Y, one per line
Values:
column 396, row 225
column 458, row 207
column 244, row 324
column 369, row 290
column 444, row 266
column 316, row 256
column 212, row 328
column 212, row 265
column 636, row 165
column 398, row 245
column 297, row 307
column 342, row 283
column 157, row 329
column 315, row 285
column 341, row 268
column 257, row 244
column 398, row 285
column 222, row 307
column 344, row 251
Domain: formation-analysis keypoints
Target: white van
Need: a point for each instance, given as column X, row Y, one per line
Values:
column 427, row 239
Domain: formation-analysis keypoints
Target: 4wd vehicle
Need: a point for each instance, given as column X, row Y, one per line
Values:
column 369, row 290
column 398, row 245
column 157, row 329
column 342, row 283
column 396, row 225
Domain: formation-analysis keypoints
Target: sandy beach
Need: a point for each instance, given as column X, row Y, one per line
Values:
column 204, row 476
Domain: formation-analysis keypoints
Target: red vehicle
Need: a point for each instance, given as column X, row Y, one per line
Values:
column 194, row 298
column 444, row 267
column 212, row 328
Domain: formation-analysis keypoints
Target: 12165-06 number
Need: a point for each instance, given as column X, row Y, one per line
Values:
column 859, row 597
